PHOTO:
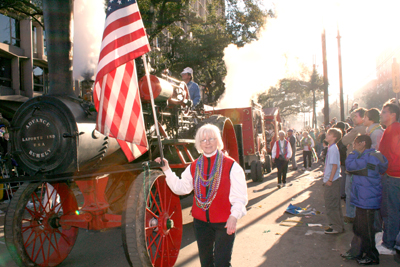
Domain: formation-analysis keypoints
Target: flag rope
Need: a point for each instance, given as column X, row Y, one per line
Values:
column 146, row 174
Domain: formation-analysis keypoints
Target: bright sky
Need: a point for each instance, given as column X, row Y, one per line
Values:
column 366, row 28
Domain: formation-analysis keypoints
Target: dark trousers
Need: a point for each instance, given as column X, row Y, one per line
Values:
column 343, row 181
column 282, row 166
column 307, row 158
column 390, row 210
column 364, row 235
column 214, row 244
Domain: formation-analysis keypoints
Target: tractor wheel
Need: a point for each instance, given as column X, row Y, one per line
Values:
column 253, row 173
column 33, row 234
column 228, row 135
column 268, row 164
column 260, row 171
column 151, row 222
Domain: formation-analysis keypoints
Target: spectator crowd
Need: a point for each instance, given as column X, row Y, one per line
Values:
column 361, row 159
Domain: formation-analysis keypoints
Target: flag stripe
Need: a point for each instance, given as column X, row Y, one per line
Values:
column 121, row 41
column 120, row 13
column 114, row 87
column 131, row 106
column 116, row 92
column 121, row 56
column 121, row 26
column 122, row 101
column 124, row 33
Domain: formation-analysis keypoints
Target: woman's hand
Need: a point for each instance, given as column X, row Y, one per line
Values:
column 231, row 225
column 166, row 165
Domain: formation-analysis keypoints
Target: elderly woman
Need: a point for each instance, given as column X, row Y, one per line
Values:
column 281, row 153
column 307, row 143
column 220, row 196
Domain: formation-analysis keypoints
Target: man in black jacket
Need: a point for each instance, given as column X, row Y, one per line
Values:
column 292, row 141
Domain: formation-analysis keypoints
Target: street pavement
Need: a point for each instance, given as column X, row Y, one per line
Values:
column 266, row 236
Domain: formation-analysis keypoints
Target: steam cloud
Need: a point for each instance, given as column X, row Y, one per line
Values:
column 89, row 19
column 260, row 64
column 294, row 37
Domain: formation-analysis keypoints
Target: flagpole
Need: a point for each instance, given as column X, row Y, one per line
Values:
column 153, row 108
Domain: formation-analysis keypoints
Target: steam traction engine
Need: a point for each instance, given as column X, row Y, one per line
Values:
column 249, row 126
column 54, row 140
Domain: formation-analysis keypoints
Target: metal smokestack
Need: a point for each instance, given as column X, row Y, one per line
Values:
column 57, row 21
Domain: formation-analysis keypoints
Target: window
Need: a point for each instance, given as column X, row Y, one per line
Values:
column 9, row 31
column 44, row 42
column 34, row 40
column 40, row 79
column 5, row 72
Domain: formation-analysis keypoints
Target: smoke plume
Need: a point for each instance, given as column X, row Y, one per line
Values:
column 89, row 19
column 257, row 66
column 294, row 38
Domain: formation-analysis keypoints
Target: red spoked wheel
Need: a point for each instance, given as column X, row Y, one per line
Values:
column 152, row 222
column 33, row 234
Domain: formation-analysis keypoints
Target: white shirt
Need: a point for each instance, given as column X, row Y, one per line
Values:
column 282, row 144
column 237, row 194
column 305, row 148
column 332, row 158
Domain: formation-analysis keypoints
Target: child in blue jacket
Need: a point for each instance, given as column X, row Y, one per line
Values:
column 366, row 165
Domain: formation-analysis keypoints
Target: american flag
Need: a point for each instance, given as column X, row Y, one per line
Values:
column 116, row 93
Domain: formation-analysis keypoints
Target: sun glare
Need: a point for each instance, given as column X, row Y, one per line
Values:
column 367, row 29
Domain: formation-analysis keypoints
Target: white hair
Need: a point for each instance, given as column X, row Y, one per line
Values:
column 209, row 130
column 284, row 134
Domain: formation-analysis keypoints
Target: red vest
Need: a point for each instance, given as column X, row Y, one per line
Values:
column 220, row 208
column 278, row 148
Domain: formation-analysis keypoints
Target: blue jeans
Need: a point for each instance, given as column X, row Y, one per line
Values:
column 318, row 149
column 390, row 210
column 397, row 246
column 343, row 181
column 350, row 209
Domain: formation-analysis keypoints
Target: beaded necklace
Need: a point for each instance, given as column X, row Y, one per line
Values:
column 213, row 181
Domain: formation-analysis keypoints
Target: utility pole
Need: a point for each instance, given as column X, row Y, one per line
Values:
column 340, row 77
column 325, row 64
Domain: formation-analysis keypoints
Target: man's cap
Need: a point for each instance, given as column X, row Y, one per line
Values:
column 290, row 130
column 187, row 70
column 2, row 125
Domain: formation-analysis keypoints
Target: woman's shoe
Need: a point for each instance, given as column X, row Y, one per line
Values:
column 367, row 261
column 348, row 256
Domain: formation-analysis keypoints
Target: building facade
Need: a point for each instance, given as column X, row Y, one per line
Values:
column 23, row 60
